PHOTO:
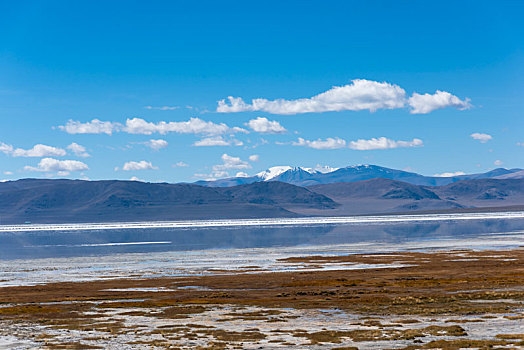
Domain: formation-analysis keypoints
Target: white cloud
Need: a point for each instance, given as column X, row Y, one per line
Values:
column 230, row 162
column 212, row 141
column 142, row 165
column 217, row 141
column 265, row 126
column 5, row 148
column 179, row 165
column 37, row 151
column 141, row 126
column 162, row 108
column 383, row 143
column 254, row 157
column 456, row 173
column 134, row 178
column 483, row 138
column 422, row 104
column 216, row 174
column 192, row 126
column 78, row 150
column 55, row 165
column 361, row 94
column 95, row 126
column 498, row 162
column 329, row 143
column 241, row 174
column 8, row 173
column 156, row 144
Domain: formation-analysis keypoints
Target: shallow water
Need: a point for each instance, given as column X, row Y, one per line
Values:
column 37, row 256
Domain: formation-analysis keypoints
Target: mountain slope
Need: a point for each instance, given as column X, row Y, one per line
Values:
column 378, row 188
column 385, row 195
column 279, row 193
column 77, row 201
column 513, row 175
column 482, row 191
column 381, row 195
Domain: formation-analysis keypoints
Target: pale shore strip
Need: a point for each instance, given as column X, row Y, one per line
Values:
column 303, row 221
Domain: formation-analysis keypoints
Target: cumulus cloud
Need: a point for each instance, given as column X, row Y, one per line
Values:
column 266, row 126
column 141, row 165
column 217, row 141
column 5, row 148
column 423, row 104
column 38, row 150
column 179, row 165
column 498, row 162
column 329, row 143
column 361, row 94
column 63, row 167
column 156, row 144
column 78, row 150
column 192, row 126
column 221, row 170
column 216, row 174
column 230, row 162
column 163, row 108
column 141, row 126
column 483, row 138
column 383, row 143
column 456, row 173
column 254, row 157
column 8, row 173
column 95, row 126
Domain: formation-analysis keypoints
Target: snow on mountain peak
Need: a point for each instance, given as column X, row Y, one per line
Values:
column 273, row 172
column 324, row 169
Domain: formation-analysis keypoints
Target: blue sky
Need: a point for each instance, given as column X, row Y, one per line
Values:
column 152, row 74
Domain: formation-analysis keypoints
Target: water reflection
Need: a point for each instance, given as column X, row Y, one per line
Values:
column 50, row 244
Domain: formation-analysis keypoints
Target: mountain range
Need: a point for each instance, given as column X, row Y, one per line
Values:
column 307, row 177
column 277, row 192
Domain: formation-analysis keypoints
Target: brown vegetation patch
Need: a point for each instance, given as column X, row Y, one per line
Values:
column 442, row 285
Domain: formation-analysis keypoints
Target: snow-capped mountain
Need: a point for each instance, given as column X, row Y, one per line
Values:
column 283, row 173
column 302, row 176
column 273, row 172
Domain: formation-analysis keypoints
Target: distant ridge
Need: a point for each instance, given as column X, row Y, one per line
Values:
column 301, row 176
column 51, row 201
column 62, row 201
